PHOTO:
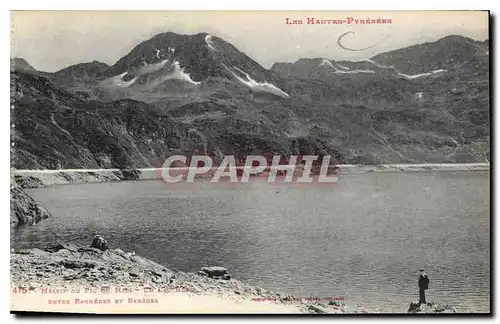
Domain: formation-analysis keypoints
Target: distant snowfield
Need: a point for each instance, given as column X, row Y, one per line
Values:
column 414, row 76
column 343, row 69
column 117, row 81
column 353, row 71
column 150, row 68
column 340, row 69
column 177, row 73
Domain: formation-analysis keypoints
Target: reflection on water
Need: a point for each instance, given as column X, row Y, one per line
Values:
column 363, row 238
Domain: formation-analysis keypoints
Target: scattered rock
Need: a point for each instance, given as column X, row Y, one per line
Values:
column 64, row 253
column 63, row 246
column 90, row 250
column 202, row 273
column 157, row 273
column 34, row 285
column 317, row 309
column 335, row 303
column 431, row 307
column 216, row 272
column 33, row 251
column 77, row 264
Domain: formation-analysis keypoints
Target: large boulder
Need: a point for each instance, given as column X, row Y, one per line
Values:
column 215, row 272
column 431, row 307
column 99, row 243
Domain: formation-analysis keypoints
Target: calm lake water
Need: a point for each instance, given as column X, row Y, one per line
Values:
column 363, row 238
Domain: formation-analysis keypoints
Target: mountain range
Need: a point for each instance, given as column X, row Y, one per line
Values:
column 182, row 94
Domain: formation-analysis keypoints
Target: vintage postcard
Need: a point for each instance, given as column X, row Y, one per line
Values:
column 250, row 162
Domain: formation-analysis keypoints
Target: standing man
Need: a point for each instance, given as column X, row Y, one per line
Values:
column 423, row 284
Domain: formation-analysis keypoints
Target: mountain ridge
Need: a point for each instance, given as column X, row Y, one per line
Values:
column 180, row 93
column 413, row 61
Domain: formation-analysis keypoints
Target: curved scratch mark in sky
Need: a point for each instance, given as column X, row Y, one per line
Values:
column 339, row 42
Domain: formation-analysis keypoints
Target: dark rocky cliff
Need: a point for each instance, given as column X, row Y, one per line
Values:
column 23, row 208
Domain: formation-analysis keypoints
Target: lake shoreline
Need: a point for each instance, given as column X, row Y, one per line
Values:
column 77, row 279
column 41, row 178
column 68, row 273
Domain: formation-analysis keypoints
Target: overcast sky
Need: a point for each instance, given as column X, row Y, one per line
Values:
column 51, row 40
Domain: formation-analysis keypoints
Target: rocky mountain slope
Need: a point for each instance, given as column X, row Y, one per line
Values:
column 447, row 55
column 21, row 64
column 182, row 94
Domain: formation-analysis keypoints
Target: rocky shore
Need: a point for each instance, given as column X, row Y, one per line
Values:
column 74, row 274
column 66, row 267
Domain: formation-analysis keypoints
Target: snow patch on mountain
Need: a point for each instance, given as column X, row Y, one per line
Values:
column 178, row 73
column 58, row 126
column 407, row 76
column 414, row 76
column 258, row 86
column 353, row 71
column 117, row 81
column 327, row 63
column 343, row 67
column 208, row 40
column 157, row 52
column 150, row 68
column 379, row 65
